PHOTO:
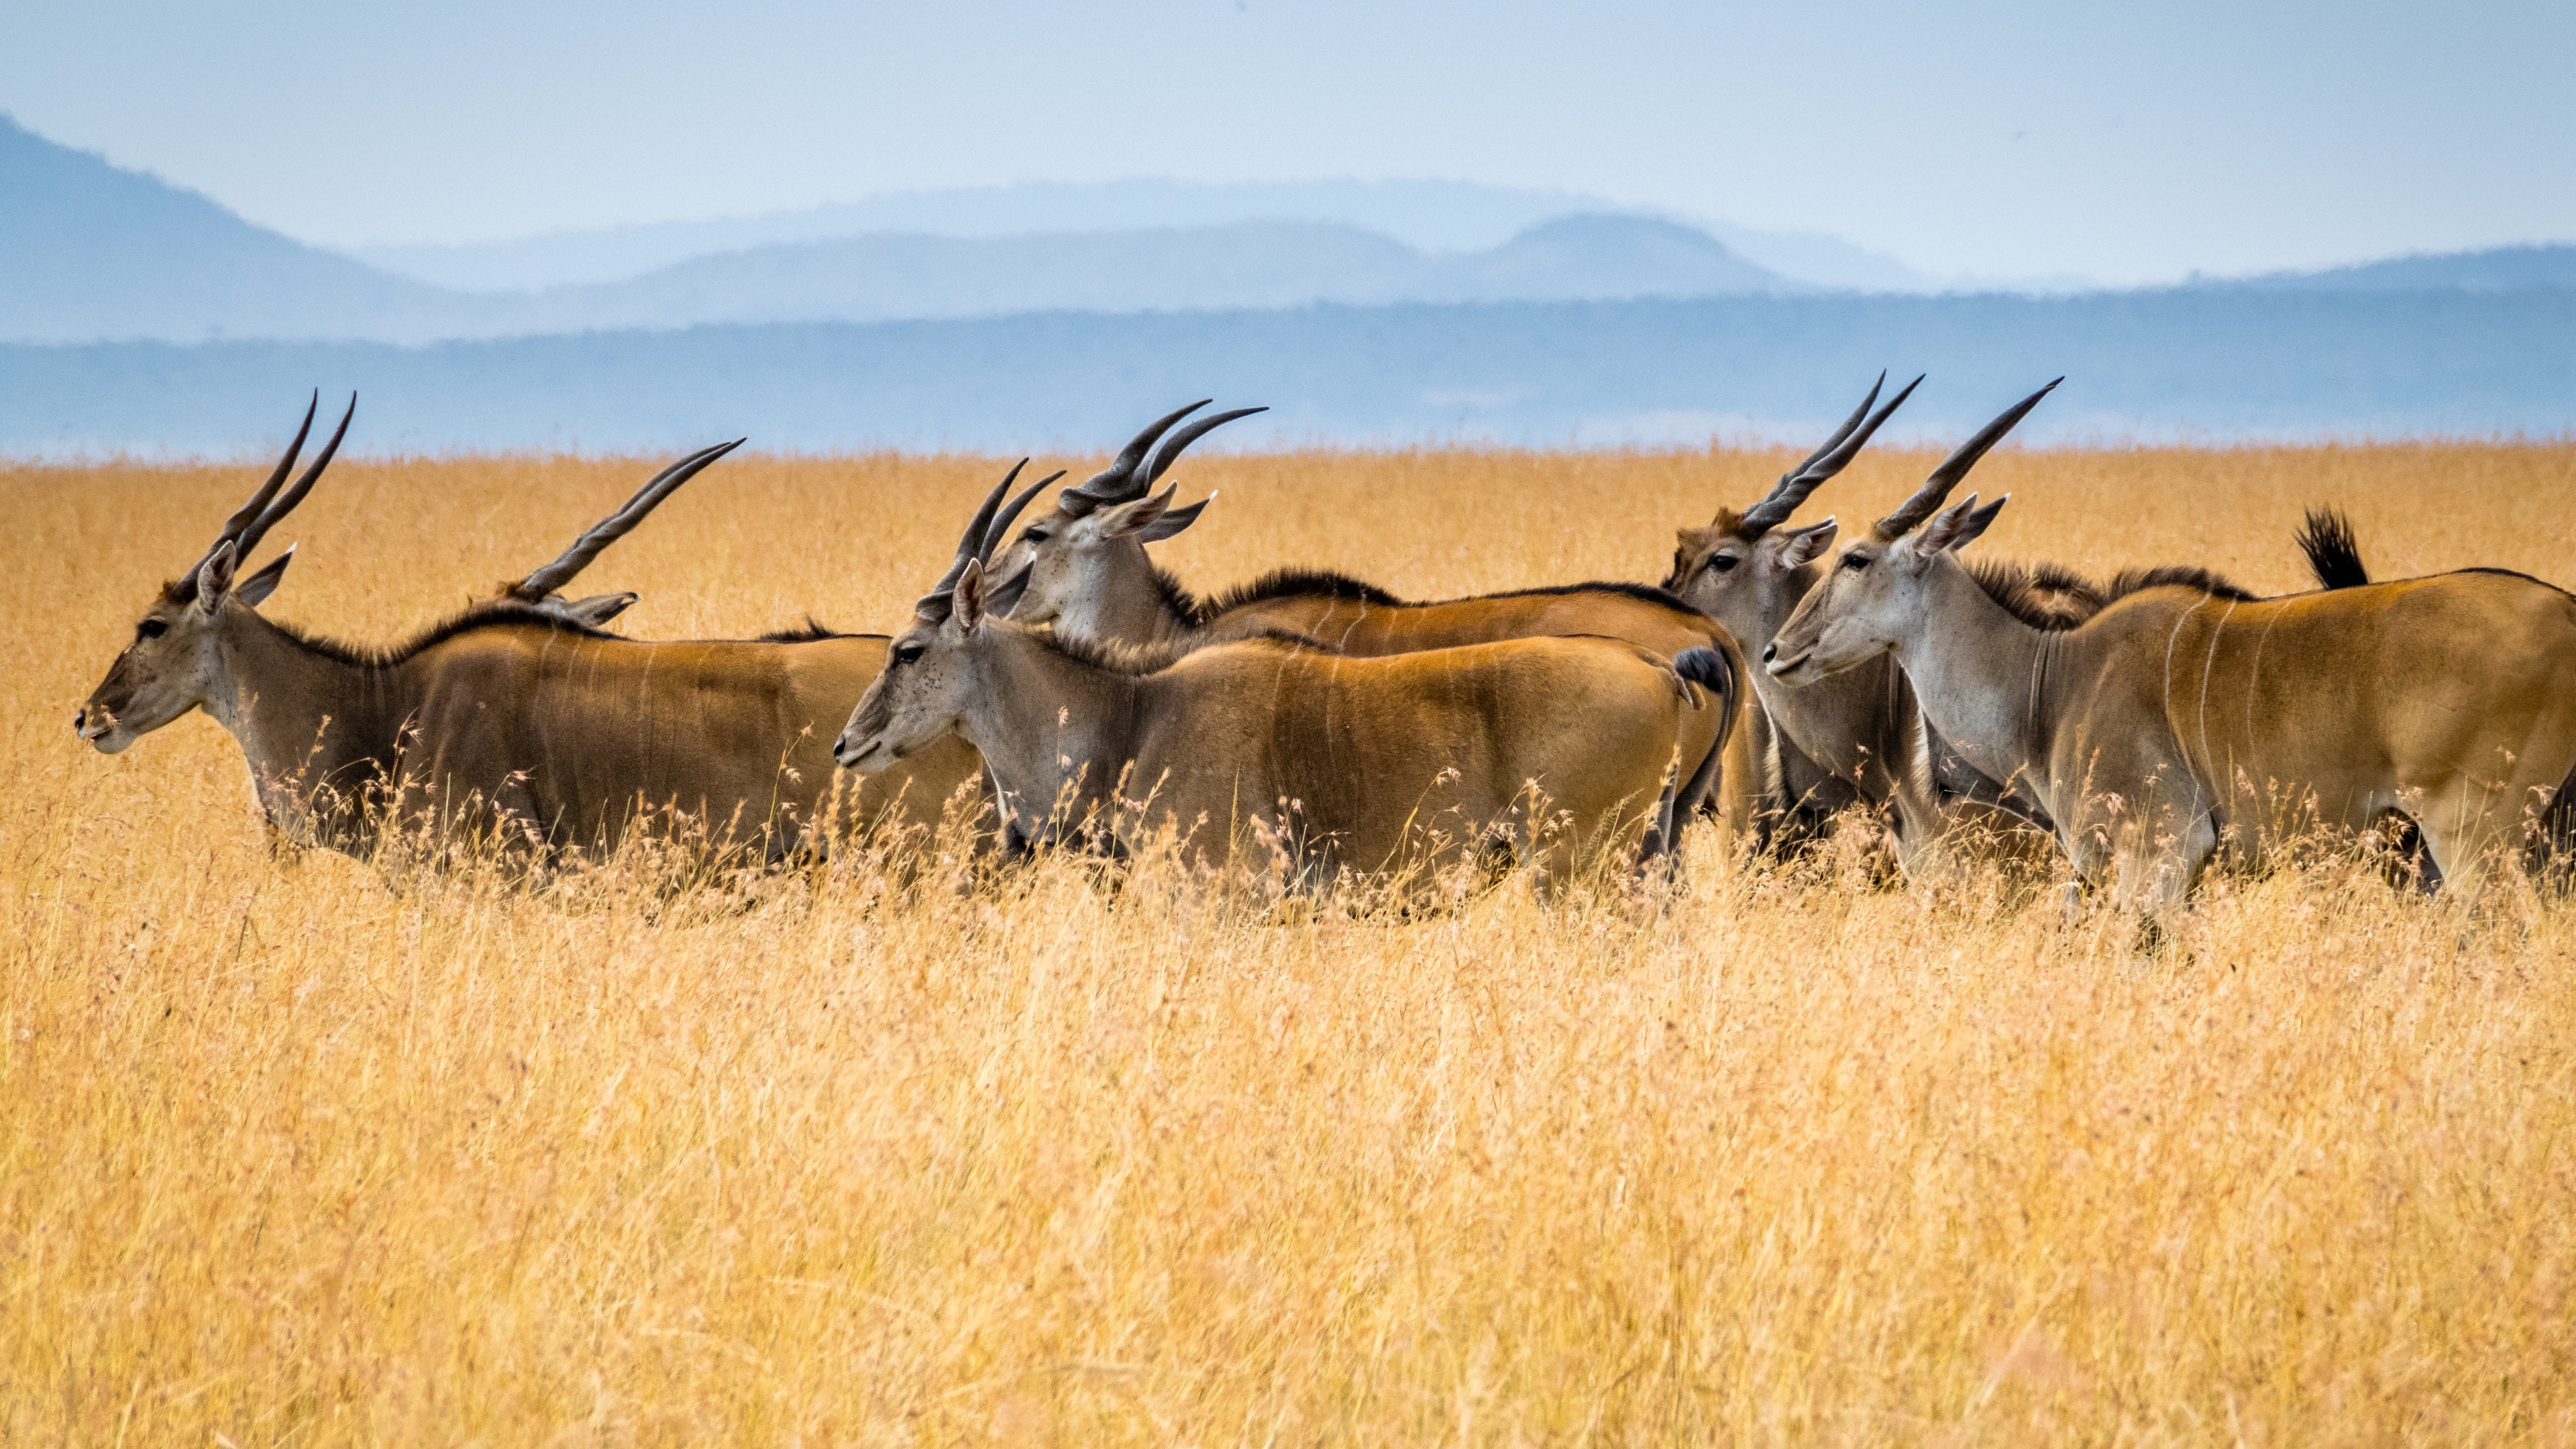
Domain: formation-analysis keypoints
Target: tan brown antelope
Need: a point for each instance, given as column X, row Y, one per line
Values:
column 1857, row 737
column 1082, row 569
column 1278, row 748
column 512, row 715
column 2187, row 711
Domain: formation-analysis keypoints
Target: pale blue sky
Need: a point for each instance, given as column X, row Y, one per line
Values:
column 2124, row 141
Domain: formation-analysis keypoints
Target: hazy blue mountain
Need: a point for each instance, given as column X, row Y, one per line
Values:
column 1217, row 268
column 89, row 251
column 876, row 278
column 1436, row 216
column 1428, row 215
column 1598, row 258
column 2192, row 363
column 2498, row 269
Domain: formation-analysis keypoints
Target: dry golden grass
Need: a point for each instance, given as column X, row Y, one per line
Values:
column 288, row 1154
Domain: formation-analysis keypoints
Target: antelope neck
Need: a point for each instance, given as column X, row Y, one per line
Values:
column 1851, row 723
column 1044, row 720
column 303, row 717
column 1132, row 609
column 1980, row 675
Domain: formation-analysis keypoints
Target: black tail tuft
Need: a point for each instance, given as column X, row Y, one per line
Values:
column 2333, row 555
column 1708, row 669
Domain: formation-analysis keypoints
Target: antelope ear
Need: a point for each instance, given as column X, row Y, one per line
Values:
column 598, row 609
column 1979, row 520
column 1803, row 546
column 256, row 589
column 1173, row 521
column 1003, row 597
column 967, row 606
column 215, row 577
column 1138, row 516
column 1947, row 529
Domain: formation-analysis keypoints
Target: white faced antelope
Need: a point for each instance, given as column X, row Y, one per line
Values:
column 514, row 715
column 2187, row 709
column 1082, row 569
column 1279, row 746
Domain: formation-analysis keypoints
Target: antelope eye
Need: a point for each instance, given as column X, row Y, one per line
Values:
column 1855, row 561
column 152, row 628
column 907, row 654
column 1034, row 536
column 1723, row 563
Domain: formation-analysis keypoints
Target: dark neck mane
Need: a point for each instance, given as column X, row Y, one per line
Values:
column 2055, row 598
column 1276, row 584
column 2044, row 596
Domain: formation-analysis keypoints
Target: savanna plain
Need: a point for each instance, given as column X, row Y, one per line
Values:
column 306, row 1150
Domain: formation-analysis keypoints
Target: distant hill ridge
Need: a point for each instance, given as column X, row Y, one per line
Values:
column 91, row 252
column 1215, row 268
column 178, row 321
column 2186, row 363
column 2497, row 269
column 1431, row 216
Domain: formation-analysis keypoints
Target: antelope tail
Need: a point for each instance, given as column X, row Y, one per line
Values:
column 1708, row 669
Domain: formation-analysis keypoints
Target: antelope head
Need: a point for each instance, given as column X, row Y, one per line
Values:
column 175, row 663
column 922, row 694
column 1872, row 599
column 543, row 588
column 1745, row 570
column 1082, row 567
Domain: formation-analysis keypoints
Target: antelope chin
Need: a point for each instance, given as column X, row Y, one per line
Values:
column 867, row 759
column 1788, row 671
column 102, row 735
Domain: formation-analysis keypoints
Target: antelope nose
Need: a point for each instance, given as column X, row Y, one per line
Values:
column 1770, row 652
column 80, row 720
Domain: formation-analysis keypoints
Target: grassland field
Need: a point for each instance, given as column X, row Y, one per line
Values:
column 294, row 1152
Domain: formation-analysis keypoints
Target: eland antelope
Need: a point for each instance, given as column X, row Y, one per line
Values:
column 1562, row 751
column 2186, row 711
column 1857, row 737
column 516, row 716
column 1082, row 569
